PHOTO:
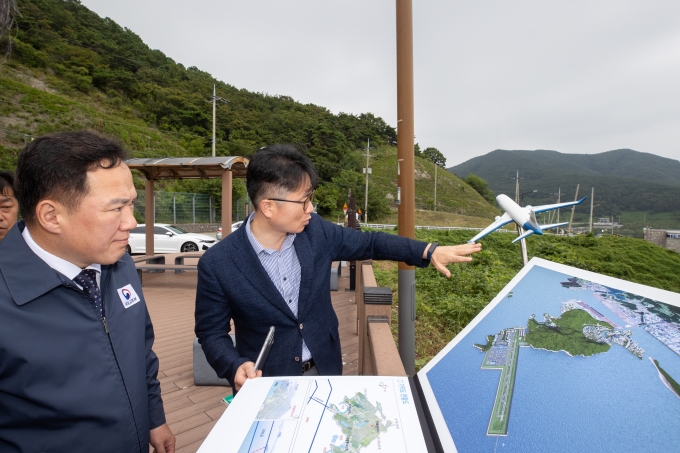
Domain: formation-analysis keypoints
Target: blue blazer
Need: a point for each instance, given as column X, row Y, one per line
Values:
column 233, row 285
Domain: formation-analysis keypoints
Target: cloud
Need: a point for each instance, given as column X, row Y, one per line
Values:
column 576, row 77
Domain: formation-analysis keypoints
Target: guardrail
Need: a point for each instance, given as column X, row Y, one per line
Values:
column 387, row 226
column 378, row 354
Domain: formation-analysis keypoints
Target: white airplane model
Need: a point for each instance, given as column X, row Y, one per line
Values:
column 524, row 217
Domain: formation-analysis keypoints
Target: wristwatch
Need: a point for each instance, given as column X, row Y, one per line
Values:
column 433, row 246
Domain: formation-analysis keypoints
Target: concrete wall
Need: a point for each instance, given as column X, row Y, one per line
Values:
column 659, row 238
column 673, row 244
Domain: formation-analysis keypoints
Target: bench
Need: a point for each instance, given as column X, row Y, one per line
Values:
column 163, row 267
column 204, row 374
column 150, row 259
column 179, row 259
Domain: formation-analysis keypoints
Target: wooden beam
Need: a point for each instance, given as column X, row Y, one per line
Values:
column 226, row 202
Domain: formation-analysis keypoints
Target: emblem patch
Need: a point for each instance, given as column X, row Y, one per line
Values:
column 128, row 296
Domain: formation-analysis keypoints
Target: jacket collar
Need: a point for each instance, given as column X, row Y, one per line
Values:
column 26, row 275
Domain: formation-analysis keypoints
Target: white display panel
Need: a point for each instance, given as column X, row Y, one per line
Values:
column 561, row 360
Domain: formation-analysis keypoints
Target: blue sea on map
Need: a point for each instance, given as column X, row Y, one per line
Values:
column 611, row 401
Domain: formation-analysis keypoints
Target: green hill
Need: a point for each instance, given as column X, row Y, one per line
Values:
column 71, row 69
column 624, row 180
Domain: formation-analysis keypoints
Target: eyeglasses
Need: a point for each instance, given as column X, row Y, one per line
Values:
column 305, row 203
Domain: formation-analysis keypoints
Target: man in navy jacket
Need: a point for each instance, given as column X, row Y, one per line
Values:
column 275, row 271
column 77, row 372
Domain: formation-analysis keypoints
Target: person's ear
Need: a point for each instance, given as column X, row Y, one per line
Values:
column 49, row 215
column 267, row 208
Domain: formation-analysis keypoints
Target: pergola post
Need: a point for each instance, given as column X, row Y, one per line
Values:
column 149, row 215
column 226, row 202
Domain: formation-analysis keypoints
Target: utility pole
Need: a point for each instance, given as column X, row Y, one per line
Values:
column 214, row 99
column 435, row 187
column 573, row 208
column 592, row 198
column 406, row 181
column 368, row 171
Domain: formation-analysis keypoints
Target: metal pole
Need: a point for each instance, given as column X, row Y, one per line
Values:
column 174, row 210
column 592, row 197
column 193, row 209
column 573, row 208
column 368, row 145
column 559, row 199
column 149, row 215
column 214, row 99
column 405, row 181
column 210, row 210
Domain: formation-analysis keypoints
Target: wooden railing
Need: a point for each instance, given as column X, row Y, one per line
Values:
column 378, row 354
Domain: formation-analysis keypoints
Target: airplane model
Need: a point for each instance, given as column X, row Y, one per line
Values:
column 524, row 217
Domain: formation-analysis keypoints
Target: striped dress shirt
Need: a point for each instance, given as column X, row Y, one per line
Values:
column 283, row 268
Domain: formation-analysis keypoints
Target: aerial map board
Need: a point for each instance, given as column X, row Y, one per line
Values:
column 319, row 414
column 561, row 360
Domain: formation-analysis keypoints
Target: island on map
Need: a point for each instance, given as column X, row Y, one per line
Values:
column 579, row 331
column 360, row 421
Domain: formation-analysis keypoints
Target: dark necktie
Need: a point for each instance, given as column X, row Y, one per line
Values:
column 88, row 280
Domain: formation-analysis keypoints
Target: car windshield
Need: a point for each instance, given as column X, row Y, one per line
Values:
column 176, row 229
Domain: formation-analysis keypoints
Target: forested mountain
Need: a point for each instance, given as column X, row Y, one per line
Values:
column 624, row 180
column 70, row 69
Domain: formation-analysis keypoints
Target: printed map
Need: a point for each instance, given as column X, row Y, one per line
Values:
column 330, row 415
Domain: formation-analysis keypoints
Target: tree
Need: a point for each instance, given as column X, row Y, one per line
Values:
column 435, row 156
column 8, row 9
column 480, row 186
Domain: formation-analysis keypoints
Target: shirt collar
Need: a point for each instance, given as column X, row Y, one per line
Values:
column 287, row 243
column 67, row 268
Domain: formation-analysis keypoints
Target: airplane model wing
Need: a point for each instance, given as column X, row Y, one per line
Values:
column 550, row 207
column 500, row 221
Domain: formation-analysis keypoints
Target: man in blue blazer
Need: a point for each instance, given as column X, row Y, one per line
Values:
column 275, row 271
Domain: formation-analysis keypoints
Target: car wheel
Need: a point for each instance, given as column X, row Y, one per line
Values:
column 189, row 247
column 128, row 250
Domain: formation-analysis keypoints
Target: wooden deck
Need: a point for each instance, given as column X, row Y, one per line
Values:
column 192, row 411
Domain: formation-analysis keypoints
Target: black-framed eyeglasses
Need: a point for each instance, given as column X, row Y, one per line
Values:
column 305, row 203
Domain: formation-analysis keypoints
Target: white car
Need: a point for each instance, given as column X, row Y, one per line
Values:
column 168, row 239
column 234, row 227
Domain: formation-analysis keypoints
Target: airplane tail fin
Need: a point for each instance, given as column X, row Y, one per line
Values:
column 526, row 234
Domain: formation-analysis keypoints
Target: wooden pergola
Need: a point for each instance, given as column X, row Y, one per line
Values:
column 224, row 167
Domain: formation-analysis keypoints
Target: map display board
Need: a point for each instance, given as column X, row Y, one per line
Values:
column 561, row 360
column 319, row 415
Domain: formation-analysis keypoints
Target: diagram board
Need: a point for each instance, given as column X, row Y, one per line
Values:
column 320, row 414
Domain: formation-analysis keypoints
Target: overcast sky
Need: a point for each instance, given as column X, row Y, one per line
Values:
column 572, row 76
